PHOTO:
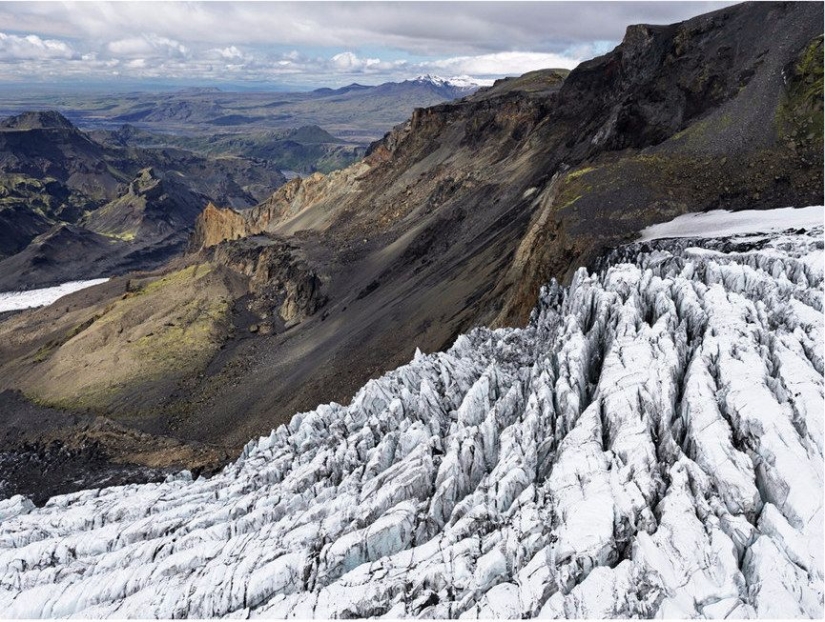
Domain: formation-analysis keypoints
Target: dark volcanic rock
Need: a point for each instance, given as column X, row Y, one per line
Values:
column 41, row 471
column 50, row 119
column 282, row 282
column 46, row 451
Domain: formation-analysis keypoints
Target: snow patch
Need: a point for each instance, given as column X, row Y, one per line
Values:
column 460, row 82
column 724, row 223
column 17, row 301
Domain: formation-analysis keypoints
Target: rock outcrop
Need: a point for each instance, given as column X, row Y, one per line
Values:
column 280, row 280
column 215, row 225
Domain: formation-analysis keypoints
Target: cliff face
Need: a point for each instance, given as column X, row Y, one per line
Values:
column 215, row 225
column 457, row 217
column 678, row 118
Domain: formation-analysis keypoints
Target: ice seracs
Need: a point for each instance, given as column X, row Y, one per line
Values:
column 650, row 445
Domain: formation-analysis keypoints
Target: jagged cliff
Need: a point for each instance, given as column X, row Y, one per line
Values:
column 457, row 217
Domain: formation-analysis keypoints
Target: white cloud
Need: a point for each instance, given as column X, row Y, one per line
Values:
column 434, row 28
column 32, row 47
column 230, row 52
column 503, row 63
column 330, row 43
column 147, row 45
column 348, row 62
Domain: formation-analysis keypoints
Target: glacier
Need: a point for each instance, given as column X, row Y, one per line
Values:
column 724, row 223
column 650, row 445
column 30, row 299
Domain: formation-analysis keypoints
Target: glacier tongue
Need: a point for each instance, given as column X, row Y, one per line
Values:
column 650, row 445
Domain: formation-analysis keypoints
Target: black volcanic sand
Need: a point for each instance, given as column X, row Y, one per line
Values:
column 45, row 452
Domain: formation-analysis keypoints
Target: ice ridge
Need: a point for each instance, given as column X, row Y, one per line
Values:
column 651, row 444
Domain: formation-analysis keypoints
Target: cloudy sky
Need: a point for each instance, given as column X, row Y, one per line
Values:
column 307, row 44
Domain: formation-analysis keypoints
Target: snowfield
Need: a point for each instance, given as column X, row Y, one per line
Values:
column 650, row 445
column 724, row 223
column 17, row 301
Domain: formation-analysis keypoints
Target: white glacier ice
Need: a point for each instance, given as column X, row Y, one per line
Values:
column 650, row 445
column 17, row 301
column 719, row 223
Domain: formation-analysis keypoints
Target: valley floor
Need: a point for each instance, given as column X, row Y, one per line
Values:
column 650, row 445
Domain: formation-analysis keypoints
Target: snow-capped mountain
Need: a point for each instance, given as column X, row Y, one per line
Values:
column 456, row 82
column 651, row 444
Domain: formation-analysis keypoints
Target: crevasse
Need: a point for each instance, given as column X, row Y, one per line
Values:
column 649, row 445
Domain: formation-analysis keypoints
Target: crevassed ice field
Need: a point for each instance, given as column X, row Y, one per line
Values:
column 651, row 444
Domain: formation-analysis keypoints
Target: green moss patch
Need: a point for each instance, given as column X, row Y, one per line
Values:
column 800, row 115
column 165, row 331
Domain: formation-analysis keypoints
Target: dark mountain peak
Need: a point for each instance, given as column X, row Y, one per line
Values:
column 539, row 82
column 199, row 90
column 148, row 184
column 30, row 120
column 661, row 79
column 62, row 235
column 323, row 92
column 127, row 130
column 311, row 134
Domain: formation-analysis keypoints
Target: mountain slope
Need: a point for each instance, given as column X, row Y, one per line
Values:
column 457, row 217
column 650, row 445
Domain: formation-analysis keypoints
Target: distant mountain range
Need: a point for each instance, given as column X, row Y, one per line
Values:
column 446, row 88
column 72, row 207
column 356, row 113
